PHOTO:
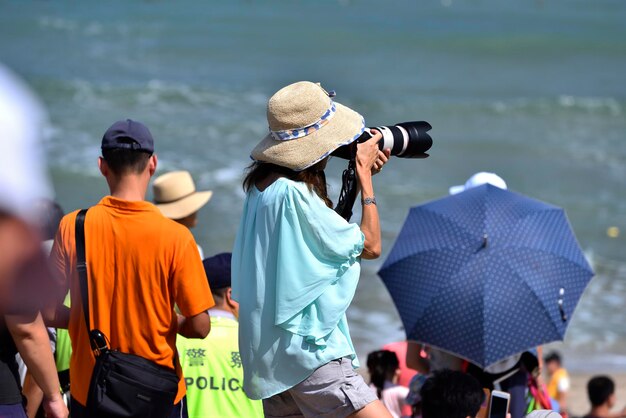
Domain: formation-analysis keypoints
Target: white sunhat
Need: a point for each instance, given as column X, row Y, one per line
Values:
column 23, row 177
column 175, row 195
column 306, row 125
column 479, row 179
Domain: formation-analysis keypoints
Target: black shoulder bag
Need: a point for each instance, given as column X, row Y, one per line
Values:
column 122, row 385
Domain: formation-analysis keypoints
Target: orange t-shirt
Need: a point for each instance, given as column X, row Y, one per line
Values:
column 139, row 264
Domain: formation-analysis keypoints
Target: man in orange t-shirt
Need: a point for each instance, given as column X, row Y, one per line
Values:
column 139, row 265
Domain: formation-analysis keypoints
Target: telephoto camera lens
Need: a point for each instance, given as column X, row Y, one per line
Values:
column 405, row 140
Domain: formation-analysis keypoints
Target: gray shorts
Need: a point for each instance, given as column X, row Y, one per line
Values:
column 334, row 390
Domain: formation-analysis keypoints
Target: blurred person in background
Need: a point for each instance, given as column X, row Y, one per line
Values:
column 48, row 215
column 601, row 392
column 384, row 369
column 558, row 379
column 23, row 274
column 23, row 179
column 451, row 394
column 406, row 373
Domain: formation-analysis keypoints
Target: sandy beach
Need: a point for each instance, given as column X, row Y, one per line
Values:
column 578, row 402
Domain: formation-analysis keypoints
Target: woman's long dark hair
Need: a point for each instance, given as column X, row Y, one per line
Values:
column 382, row 365
column 313, row 177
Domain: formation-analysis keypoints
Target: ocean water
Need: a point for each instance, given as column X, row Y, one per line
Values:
column 533, row 91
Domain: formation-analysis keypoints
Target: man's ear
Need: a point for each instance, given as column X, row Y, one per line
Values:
column 102, row 165
column 234, row 306
column 612, row 400
column 152, row 164
column 229, row 296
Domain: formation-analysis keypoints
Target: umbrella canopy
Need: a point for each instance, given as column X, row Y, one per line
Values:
column 486, row 274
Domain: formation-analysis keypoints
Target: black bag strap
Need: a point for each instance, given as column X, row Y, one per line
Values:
column 81, row 264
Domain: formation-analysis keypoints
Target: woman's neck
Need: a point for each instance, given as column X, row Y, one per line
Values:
column 268, row 181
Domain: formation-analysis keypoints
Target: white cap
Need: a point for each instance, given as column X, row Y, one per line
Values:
column 479, row 179
column 23, row 178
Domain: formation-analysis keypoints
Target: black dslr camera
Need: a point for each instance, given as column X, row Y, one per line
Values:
column 405, row 140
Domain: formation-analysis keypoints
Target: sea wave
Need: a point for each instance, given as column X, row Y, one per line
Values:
column 89, row 28
column 152, row 92
column 194, row 125
column 606, row 105
column 58, row 23
column 601, row 301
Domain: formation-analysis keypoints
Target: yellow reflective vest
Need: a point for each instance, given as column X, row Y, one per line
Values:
column 214, row 374
column 63, row 350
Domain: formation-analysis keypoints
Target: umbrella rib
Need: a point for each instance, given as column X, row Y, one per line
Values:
column 536, row 297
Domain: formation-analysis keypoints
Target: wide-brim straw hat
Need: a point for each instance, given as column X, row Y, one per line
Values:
column 175, row 195
column 306, row 126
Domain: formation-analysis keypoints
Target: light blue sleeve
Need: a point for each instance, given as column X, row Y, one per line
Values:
column 318, row 266
column 238, row 254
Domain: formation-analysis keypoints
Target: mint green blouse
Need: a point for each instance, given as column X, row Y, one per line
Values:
column 295, row 268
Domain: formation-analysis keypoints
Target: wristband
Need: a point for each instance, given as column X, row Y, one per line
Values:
column 369, row 201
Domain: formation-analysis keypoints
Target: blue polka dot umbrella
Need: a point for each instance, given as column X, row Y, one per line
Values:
column 486, row 274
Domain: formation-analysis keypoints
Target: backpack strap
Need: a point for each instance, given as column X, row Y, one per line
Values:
column 81, row 264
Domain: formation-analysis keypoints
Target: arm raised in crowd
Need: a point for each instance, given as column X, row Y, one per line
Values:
column 197, row 326
column 33, row 344
column 370, row 160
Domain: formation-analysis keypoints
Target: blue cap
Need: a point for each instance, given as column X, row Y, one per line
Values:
column 128, row 134
column 415, row 386
column 217, row 269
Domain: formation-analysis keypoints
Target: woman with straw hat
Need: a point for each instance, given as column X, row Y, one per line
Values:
column 296, row 262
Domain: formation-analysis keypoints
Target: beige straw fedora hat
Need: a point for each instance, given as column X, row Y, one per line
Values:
column 175, row 195
column 306, row 125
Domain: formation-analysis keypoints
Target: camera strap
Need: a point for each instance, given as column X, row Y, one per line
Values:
column 349, row 188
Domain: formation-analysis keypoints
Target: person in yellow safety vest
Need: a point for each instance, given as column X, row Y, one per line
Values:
column 62, row 355
column 212, row 366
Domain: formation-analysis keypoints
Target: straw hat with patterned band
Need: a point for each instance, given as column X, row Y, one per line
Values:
column 306, row 125
column 175, row 195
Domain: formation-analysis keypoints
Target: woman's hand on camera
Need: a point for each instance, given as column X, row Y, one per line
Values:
column 369, row 159
column 383, row 157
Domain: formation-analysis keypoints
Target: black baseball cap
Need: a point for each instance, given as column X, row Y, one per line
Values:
column 217, row 269
column 128, row 134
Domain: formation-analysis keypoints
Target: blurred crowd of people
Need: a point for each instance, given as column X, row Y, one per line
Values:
column 468, row 393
